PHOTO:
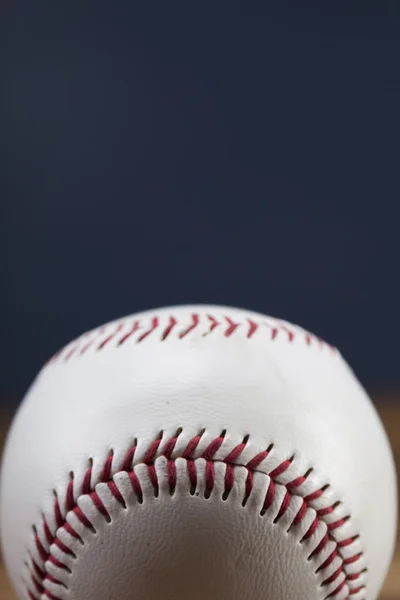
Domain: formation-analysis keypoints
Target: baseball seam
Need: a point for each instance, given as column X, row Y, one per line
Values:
column 139, row 330
column 342, row 566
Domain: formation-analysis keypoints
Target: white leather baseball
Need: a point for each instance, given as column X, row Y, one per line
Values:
column 197, row 452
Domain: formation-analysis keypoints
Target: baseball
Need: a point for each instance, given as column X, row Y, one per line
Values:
column 197, row 453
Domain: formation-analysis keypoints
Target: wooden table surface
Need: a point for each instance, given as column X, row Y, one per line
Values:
column 390, row 413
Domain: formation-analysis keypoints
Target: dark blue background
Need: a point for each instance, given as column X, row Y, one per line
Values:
column 237, row 153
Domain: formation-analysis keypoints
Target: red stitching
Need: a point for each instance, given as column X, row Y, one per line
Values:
column 168, row 325
column 339, row 589
column 37, row 571
column 57, row 513
column 232, row 327
column 82, row 517
column 280, row 469
column 42, row 552
column 62, row 547
column 214, row 324
column 289, row 332
column 57, row 563
column 274, row 331
column 71, row 352
column 169, row 328
column 253, row 326
column 39, row 575
column 328, row 561
column 284, row 506
column 38, row 586
column 193, row 325
column 334, row 576
column 47, row 532
column 54, row 580
column 133, row 330
column 90, row 342
column 355, row 590
column 154, row 325
column 301, row 514
column 353, row 576
column 106, row 471
column 110, row 337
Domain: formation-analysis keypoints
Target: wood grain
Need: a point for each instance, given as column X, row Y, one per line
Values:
column 390, row 413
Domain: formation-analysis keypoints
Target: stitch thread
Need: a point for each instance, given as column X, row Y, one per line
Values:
column 141, row 329
column 165, row 327
column 39, row 575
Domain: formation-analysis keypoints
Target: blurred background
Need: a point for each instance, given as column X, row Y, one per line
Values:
column 166, row 153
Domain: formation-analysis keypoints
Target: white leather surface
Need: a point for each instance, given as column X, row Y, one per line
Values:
column 277, row 387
